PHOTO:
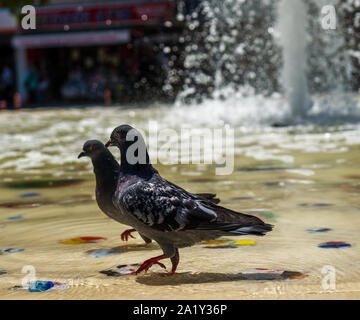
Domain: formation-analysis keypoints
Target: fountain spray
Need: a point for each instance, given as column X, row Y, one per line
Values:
column 291, row 27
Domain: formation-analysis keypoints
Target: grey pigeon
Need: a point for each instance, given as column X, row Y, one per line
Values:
column 107, row 170
column 163, row 211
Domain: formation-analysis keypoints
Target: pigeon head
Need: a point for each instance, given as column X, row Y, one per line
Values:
column 91, row 149
column 131, row 144
column 133, row 151
column 123, row 135
column 120, row 135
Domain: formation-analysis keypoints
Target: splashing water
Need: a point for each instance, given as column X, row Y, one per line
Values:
column 245, row 54
column 292, row 28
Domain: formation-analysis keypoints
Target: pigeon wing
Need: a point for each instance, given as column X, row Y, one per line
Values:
column 200, row 196
column 164, row 206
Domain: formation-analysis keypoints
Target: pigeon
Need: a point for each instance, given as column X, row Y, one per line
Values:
column 107, row 170
column 163, row 211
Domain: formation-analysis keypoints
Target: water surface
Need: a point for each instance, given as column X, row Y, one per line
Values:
column 298, row 178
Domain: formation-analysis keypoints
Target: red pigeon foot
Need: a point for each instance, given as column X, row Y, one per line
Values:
column 146, row 265
column 126, row 234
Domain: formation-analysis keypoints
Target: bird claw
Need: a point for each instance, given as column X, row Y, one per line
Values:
column 126, row 234
column 148, row 264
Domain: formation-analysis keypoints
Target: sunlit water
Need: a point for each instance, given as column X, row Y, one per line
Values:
column 297, row 178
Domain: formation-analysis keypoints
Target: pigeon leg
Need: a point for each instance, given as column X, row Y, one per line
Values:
column 175, row 261
column 146, row 239
column 126, row 234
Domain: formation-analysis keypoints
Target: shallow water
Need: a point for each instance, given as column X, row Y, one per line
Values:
column 297, row 178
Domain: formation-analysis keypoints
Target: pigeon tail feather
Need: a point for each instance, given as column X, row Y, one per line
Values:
column 257, row 230
column 233, row 222
column 235, row 229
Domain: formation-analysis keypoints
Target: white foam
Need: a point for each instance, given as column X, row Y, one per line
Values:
column 34, row 141
column 302, row 172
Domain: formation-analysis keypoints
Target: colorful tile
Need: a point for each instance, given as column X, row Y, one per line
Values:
column 29, row 195
column 318, row 230
column 334, row 244
column 82, row 240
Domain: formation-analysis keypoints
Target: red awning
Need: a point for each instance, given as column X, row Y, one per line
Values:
column 104, row 14
column 72, row 39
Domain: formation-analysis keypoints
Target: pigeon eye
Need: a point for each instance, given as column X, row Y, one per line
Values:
column 92, row 148
column 117, row 135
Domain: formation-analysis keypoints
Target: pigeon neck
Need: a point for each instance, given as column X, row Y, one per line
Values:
column 138, row 166
column 106, row 169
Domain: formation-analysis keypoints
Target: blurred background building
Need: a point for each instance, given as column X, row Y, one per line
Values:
column 134, row 51
column 87, row 51
column 7, row 80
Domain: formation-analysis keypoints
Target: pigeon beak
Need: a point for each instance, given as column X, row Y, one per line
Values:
column 108, row 144
column 82, row 154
